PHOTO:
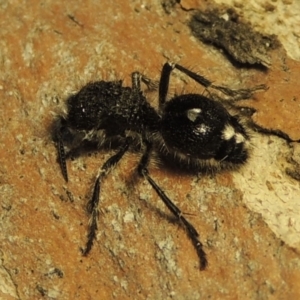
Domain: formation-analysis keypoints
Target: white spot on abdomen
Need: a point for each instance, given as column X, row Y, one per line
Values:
column 193, row 113
column 228, row 132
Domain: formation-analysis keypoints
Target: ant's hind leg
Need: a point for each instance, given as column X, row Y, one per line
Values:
column 165, row 79
column 191, row 231
column 235, row 94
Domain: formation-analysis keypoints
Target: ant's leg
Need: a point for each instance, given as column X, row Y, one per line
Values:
column 63, row 155
column 192, row 232
column 136, row 82
column 137, row 77
column 92, row 206
column 58, row 139
column 165, row 79
column 61, row 135
column 62, row 158
column 236, row 94
column 239, row 94
column 151, row 84
column 164, row 84
column 198, row 78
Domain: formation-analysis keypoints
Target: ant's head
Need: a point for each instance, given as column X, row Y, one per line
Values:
column 65, row 137
column 66, row 133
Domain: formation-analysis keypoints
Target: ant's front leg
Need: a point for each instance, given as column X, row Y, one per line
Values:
column 137, row 78
column 235, row 94
column 58, row 136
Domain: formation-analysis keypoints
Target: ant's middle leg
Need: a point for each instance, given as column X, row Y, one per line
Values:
column 92, row 206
